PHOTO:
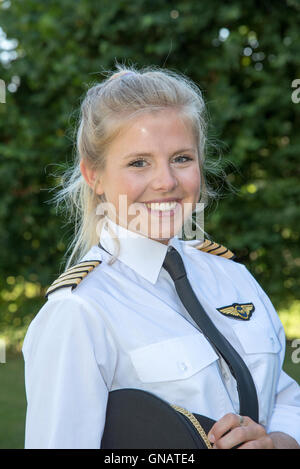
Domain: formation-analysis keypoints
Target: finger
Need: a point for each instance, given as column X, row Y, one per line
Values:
column 239, row 435
column 222, row 426
column 262, row 443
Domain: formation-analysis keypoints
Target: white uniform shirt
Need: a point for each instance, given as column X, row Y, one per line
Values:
column 124, row 326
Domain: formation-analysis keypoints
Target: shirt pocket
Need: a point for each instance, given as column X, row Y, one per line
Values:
column 174, row 359
column 258, row 340
column 261, row 348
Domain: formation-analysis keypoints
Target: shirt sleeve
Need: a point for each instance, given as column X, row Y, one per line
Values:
column 70, row 359
column 285, row 416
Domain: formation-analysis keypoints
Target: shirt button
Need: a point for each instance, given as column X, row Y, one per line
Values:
column 183, row 366
column 225, row 376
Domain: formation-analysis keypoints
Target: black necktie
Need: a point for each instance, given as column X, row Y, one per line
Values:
column 245, row 385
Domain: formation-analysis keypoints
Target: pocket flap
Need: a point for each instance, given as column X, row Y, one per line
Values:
column 173, row 359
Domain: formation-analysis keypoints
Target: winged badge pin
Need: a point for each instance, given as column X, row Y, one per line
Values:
column 238, row 310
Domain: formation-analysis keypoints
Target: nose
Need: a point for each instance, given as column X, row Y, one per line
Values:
column 164, row 179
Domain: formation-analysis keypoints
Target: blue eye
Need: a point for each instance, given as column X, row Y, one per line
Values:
column 133, row 163
column 188, row 158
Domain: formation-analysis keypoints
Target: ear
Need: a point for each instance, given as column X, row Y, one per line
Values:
column 90, row 176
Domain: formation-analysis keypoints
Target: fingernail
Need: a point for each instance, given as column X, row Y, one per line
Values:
column 211, row 438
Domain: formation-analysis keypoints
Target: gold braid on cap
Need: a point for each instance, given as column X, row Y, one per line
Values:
column 195, row 424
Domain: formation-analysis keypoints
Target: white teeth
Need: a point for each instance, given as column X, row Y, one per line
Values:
column 166, row 206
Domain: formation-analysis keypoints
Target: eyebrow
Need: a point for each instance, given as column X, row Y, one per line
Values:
column 135, row 155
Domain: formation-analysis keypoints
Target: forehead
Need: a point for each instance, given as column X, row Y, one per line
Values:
column 162, row 127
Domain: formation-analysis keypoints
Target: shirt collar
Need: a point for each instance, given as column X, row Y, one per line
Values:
column 144, row 255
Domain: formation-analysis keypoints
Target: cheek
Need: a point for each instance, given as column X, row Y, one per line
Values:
column 192, row 180
column 130, row 185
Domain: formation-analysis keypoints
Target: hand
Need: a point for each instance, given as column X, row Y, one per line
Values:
column 228, row 432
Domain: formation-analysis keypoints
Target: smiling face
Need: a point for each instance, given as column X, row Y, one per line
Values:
column 154, row 159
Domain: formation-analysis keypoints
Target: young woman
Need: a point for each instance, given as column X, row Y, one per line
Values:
column 114, row 320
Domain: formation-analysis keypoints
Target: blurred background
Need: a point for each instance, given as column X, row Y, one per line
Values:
column 244, row 55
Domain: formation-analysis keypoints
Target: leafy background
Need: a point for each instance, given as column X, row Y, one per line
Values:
column 244, row 55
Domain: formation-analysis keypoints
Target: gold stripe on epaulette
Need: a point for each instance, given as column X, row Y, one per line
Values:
column 206, row 244
column 70, row 277
column 71, row 283
column 73, row 276
column 80, row 272
column 81, row 265
column 214, row 248
column 210, row 246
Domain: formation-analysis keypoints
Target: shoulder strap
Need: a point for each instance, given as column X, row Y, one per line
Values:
column 73, row 276
column 216, row 249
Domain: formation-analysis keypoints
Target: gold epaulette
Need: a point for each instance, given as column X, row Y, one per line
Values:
column 215, row 248
column 72, row 276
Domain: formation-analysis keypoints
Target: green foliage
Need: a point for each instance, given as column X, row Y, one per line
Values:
column 290, row 318
column 12, row 403
column 63, row 46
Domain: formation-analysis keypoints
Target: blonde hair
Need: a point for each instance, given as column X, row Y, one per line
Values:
column 124, row 94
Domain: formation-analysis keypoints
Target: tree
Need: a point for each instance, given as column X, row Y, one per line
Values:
column 243, row 55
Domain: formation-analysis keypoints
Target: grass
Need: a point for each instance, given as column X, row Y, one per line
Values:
column 13, row 401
